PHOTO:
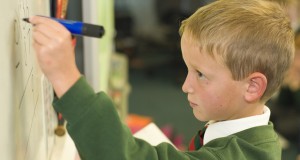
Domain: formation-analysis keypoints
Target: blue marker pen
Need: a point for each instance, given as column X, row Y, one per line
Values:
column 79, row 28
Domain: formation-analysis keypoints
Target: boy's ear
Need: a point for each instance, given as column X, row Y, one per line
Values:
column 256, row 87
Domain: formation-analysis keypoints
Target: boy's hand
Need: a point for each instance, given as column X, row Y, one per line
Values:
column 55, row 53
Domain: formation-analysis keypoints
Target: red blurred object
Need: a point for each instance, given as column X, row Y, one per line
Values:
column 137, row 122
column 61, row 9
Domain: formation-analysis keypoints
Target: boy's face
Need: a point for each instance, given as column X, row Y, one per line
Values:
column 212, row 93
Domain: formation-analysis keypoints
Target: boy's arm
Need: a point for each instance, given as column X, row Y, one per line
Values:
column 98, row 133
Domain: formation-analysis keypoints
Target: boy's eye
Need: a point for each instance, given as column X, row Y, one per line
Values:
column 200, row 74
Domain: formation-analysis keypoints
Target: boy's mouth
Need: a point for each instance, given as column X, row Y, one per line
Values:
column 193, row 105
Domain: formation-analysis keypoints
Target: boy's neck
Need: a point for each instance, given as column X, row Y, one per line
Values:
column 248, row 111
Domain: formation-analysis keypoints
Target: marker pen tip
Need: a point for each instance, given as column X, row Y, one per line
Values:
column 26, row 20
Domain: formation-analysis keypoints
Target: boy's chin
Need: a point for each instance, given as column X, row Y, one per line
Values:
column 201, row 118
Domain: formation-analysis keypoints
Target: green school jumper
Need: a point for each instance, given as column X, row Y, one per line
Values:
column 98, row 134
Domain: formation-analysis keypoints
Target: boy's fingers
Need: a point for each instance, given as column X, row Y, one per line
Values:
column 37, row 46
column 40, row 37
column 52, row 34
column 50, row 29
column 37, row 20
column 44, row 33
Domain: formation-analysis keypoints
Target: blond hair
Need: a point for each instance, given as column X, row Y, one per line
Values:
column 284, row 2
column 247, row 36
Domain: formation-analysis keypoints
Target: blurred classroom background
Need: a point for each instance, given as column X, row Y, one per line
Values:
column 147, row 71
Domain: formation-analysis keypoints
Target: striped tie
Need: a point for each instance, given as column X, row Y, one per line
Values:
column 197, row 141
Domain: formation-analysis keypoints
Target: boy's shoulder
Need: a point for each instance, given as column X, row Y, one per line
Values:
column 260, row 142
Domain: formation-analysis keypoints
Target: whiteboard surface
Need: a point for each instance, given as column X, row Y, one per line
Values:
column 27, row 119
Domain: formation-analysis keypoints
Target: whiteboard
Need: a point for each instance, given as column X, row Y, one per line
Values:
column 28, row 120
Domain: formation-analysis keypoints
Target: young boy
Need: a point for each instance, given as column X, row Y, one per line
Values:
column 236, row 52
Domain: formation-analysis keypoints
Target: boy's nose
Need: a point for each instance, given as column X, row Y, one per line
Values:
column 186, row 87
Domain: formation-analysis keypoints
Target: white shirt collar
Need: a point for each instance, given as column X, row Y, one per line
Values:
column 225, row 128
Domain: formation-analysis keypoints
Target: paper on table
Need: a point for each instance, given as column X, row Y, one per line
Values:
column 153, row 135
